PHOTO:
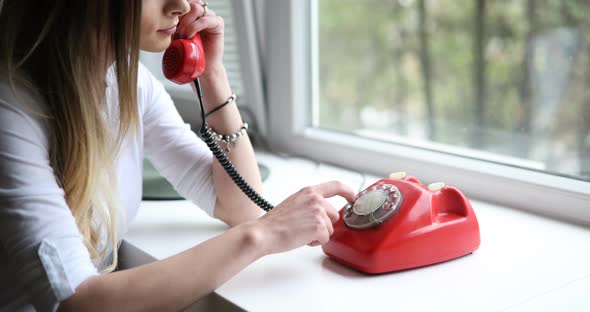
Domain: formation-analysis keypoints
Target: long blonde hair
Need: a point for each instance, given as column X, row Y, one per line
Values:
column 61, row 50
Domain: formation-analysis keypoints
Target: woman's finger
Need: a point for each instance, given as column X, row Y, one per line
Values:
column 329, row 225
column 333, row 188
column 196, row 10
column 331, row 212
column 324, row 235
column 209, row 13
column 325, row 232
column 210, row 24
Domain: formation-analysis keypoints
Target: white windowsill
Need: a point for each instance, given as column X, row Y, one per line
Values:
column 525, row 262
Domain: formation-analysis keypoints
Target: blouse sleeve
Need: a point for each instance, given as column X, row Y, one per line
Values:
column 39, row 239
column 173, row 148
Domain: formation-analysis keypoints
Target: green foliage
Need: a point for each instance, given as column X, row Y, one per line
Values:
column 369, row 60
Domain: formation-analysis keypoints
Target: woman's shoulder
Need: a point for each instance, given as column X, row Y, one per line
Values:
column 20, row 95
column 151, row 91
column 22, row 111
column 147, row 80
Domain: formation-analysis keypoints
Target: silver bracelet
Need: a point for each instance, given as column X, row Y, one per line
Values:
column 229, row 138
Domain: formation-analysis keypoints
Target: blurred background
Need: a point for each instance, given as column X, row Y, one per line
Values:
column 492, row 77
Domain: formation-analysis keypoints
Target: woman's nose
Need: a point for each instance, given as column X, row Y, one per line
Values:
column 178, row 7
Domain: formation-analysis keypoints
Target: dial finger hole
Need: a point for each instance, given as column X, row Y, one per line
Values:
column 348, row 213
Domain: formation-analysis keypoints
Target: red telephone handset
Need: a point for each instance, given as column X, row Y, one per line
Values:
column 184, row 60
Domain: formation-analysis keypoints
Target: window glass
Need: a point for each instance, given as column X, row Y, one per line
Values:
column 505, row 81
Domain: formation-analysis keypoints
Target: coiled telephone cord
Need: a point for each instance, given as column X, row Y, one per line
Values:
column 225, row 162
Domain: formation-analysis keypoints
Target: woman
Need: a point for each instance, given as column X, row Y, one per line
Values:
column 77, row 115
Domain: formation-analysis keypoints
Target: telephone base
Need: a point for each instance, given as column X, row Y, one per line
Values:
column 431, row 225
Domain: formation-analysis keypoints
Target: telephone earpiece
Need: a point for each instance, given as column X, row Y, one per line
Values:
column 184, row 60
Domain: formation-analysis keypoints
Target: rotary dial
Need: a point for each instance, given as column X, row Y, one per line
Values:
column 373, row 206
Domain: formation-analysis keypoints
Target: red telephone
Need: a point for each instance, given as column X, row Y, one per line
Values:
column 184, row 60
column 398, row 223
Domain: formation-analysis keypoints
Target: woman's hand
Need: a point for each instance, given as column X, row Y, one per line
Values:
column 211, row 28
column 304, row 217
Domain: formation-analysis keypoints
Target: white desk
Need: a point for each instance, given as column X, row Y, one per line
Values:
column 524, row 263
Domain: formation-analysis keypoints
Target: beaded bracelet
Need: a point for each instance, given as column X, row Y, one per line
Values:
column 229, row 138
column 231, row 99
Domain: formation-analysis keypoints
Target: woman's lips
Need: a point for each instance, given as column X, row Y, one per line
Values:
column 169, row 31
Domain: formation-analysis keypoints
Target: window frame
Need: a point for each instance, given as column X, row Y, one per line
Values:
column 250, row 60
column 289, row 63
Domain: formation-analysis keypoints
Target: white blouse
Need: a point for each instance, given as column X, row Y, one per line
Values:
column 42, row 255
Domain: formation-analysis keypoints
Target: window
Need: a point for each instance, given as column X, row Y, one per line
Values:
column 486, row 95
column 506, row 80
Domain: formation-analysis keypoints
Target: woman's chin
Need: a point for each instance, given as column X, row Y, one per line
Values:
column 156, row 45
